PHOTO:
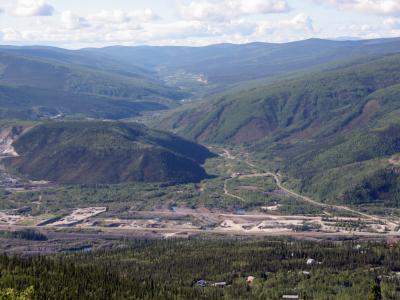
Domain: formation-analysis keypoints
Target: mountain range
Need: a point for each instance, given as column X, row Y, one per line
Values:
column 324, row 113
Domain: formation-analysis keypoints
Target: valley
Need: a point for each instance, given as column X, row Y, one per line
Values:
column 244, row 180
column 286, row 157
column 200, row 150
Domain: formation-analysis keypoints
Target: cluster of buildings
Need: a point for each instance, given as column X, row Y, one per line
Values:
column 250, row 280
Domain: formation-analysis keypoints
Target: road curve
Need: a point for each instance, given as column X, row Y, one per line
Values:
column 278, row 182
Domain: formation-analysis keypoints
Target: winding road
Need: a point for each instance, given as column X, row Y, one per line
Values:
column 227, row 154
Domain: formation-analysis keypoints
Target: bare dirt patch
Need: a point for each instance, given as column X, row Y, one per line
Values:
column 367, row 113
column 79, row 215
column 395, row 161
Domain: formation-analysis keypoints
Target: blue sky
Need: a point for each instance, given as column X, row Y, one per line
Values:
column 95, row 23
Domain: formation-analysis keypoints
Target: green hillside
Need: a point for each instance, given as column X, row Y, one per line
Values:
column 31, row 87
column 40, row 73
column 33, row 103
column 80, row 58
column 315, row 127
column 323, row 103
column 106, row 152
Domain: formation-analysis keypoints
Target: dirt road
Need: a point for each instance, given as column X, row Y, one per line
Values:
column 226, row 191
column 278, row 182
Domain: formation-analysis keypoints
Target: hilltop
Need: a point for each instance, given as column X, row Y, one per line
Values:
column 106, row 152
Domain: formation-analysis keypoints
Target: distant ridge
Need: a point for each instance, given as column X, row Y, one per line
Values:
column 221, row 63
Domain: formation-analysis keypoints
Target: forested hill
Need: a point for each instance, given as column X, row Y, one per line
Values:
column 40, row 73
column 333, row 131
column 314, row 105
column 53, row 87
column 79, row 58
column 158, row 76
column 106, row 152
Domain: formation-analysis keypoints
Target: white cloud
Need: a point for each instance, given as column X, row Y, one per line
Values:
column 250, row 7
column 11, row 35
column 377, row 7
column 388, row 28
column 119, row 16
column 72, row 21
column 27, row 8
column 299, row 22
column 299, row 25
column 391, row 23
column 222, row 10
column 75, row 32
column 79, row 31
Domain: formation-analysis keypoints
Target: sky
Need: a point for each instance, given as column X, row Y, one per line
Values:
column 97, row 23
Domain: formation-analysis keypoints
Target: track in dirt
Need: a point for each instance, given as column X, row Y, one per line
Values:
column 227, row 154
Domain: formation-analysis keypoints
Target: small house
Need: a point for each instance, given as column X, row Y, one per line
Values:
column 250, row 279
column 392, row 244
column 310, row 261
column 201, row 283
column 290, row 297
column 220, row 284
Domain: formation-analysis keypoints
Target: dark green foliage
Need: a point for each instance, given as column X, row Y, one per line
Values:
column 375, row 292
column 170, row 269
column 383, row 186
column 25, row 234
column 11, row 294
column 107, row 152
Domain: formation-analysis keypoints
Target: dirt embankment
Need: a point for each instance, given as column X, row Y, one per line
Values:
column 395, row 161
column 7, row 137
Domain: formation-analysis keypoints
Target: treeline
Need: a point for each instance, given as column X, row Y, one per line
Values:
column 171, row 269
column 25, row 234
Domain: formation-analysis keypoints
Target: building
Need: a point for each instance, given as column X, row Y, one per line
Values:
column 290, row 297
column 392, row 244
column 310, row 261
column 250, row 279
column 220, row 284
column 201, row 283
